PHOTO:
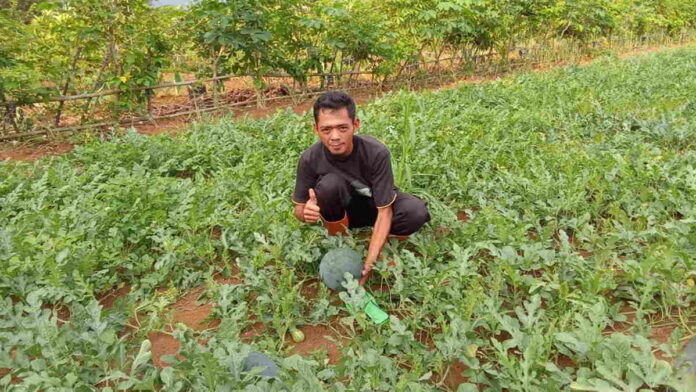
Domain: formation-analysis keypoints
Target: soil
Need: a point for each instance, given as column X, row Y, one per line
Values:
column 316, row 340
column 33, row 153
column 454, row 377
column 62, row 312
column 169, row 127
column 193, row 314
column 463, row 216
column 310, row 288
column 190, row 312
column 563, row 361
column 661, row 330
column 13, row 380
column 108, row 299
column 256, row 329
column 163, row 344
column 382, row 286
column 426, row 337
column 360, row 97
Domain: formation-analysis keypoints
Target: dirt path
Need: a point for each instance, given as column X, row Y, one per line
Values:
column 31, row 151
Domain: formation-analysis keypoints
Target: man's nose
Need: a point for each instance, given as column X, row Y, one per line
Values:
column 334, row 135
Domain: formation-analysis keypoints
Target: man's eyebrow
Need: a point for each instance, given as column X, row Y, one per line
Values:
column 333, row 126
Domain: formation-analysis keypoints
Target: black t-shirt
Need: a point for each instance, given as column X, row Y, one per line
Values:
column 368, row 163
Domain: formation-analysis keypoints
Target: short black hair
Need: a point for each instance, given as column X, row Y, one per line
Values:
column 334, row 100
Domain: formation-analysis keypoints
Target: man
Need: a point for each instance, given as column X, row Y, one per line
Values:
column 346, row 180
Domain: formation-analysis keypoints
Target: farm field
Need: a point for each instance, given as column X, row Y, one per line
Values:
column 561, row 255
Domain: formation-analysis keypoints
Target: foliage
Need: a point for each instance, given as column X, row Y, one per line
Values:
column 68, row 47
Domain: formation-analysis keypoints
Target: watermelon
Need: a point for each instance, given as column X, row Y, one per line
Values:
column 257, row 359
column 336, row 263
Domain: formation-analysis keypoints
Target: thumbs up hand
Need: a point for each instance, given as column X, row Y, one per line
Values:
column 311, row 209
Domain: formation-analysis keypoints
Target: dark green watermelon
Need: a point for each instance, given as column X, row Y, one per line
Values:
column 257, row 359
column 336, row 263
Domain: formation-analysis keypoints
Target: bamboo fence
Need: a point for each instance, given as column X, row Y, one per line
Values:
column 411, row 76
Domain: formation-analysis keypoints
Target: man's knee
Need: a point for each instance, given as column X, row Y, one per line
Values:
column 332, row 195
column 419, row 215
column 411, row 215
column 329, row 187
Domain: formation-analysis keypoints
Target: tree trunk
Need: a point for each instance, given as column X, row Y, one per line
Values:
column 10, row 111
column 117, row 66
column 67, row 84
column 98, row 82
column 215, row 74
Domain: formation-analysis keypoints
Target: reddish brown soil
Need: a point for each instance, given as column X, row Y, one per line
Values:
column 661, row 329
column 442, row 231
column 188, row 311
column 426, row 337
column 661, row 335
column 564, row 361
column 29, row 154
column 310, row 288
column 230, row 279
column 463, row 216
column 168, row 126
column 623, row 326
column 316, row 340
column 381, row 286
column 163, row 344
column 454, row 377
column 13, row 380
column 108, row 299
column 62, row 312
column 256, row 329
column 272, row 107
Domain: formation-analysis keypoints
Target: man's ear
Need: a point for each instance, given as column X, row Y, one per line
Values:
column 315, row 128
column 356, row 124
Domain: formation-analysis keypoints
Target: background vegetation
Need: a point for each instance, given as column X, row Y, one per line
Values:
column 67, row 47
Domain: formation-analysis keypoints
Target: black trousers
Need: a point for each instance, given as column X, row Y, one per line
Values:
column 336, row 196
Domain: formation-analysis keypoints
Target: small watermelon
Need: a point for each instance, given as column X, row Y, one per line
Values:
column 257, row 359
column 336, row 263
column 297, row 335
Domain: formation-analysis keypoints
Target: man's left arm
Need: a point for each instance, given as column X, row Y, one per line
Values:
column 379, row 237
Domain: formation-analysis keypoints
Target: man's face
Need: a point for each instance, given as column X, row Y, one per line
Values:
column 335, row 130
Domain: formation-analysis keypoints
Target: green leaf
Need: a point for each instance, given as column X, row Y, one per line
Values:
column 143, row 355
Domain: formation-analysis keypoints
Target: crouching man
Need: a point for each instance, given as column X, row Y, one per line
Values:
column 346, row 181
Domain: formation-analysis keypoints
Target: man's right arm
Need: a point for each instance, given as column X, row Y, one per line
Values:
column 299, row 212
column 309, row 211
column 306, row 206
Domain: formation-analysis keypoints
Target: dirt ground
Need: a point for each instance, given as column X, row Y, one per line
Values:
column 198, row 316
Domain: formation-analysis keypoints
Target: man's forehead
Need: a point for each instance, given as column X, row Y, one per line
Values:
column 328, row 116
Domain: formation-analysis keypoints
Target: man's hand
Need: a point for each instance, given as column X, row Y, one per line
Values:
column 379, row 237
column 367, row 269
column 311, row 208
